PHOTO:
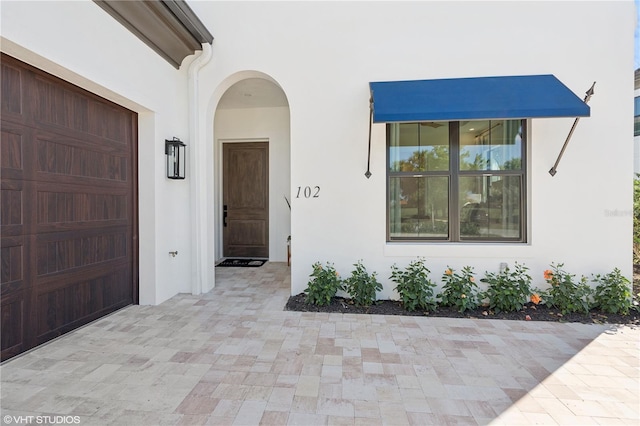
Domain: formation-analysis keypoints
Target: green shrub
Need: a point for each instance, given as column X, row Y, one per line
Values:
column 613, row 293
column 459, row 290
column 362, row 286
column 414, row 286
column 566, row 294
column 323, row 285
column 508, row 290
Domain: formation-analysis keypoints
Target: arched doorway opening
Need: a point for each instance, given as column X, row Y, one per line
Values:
column 252, row 169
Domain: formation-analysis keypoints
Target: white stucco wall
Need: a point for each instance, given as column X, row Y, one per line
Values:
column 79, row 42
column 324, row 54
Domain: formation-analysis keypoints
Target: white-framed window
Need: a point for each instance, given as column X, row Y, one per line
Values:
column 456, row 181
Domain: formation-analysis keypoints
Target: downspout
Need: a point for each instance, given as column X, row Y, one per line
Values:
column 197, row 158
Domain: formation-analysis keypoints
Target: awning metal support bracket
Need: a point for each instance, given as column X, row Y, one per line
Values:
column 553, row 169
column 368, row 172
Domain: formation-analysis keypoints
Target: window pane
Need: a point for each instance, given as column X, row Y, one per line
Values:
column 490, row 207
column 419, row 147
column 419, row 207
column 491, row 145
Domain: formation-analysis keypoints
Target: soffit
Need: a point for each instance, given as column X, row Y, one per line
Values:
column 169, row 27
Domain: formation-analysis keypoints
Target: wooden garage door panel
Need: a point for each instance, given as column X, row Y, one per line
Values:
column 12, row 209
column 60, row 105
column 16, row 157
column 68, row 212
column 60, row 308
column 11, row 155
column 12, row 88
column 69, row 207
column 13, row 292
column 62, row 158
column 12, row 318
column 69, row 251
column 13, row 258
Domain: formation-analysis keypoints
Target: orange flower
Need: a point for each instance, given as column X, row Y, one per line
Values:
column 548, row 275
column 448, row 272
column 535, row 299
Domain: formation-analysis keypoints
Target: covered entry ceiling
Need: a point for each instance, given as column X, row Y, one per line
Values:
column 253, row 93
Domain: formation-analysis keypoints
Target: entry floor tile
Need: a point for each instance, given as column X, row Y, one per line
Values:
column 233, row 356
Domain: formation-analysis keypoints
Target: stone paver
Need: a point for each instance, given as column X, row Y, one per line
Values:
column 233, row 356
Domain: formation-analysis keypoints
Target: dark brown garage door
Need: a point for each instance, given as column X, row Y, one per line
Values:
column 68, row 212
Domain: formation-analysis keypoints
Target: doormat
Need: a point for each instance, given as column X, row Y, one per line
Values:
column 248, row 263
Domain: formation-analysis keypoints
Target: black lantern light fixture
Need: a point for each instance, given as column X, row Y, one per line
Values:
column 175, row 150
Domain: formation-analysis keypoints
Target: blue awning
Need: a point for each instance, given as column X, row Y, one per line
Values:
column 531, row 96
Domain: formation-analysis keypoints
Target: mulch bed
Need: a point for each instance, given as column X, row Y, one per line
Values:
column 392, row 307
column 535, row 312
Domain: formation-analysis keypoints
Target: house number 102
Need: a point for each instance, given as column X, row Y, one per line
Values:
column 308, row 192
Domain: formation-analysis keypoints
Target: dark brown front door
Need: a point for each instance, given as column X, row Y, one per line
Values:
column 246, row 199
column 68, row 207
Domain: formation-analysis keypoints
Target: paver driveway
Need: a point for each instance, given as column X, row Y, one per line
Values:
column 233, row 356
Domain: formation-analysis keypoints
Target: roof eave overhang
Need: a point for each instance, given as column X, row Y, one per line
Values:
column 169, row 27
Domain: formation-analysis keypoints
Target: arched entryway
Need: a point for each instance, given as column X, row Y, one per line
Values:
column 252, row 178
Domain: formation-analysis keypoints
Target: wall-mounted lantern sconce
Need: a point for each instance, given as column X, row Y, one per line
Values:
column 175, row 150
